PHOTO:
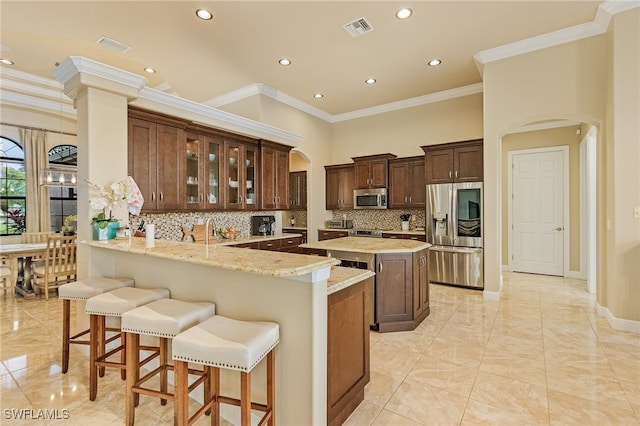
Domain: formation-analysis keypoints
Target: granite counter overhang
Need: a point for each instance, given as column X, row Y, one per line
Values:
column 369, row 245
column 262, row 262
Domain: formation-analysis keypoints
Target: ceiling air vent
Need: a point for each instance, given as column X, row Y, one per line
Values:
column 112, row 44
column 358, row 27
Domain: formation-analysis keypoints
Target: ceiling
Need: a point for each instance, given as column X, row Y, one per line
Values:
column 208, row 61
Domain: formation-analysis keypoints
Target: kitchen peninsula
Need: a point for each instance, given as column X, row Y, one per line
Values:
column 301, row 293
column 400, row 291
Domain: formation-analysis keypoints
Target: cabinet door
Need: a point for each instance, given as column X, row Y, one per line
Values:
column 329, row 235
column 282, row 180
column 234, row 175
column 394, row 287
column 142, row 159
column 379, row 173
column 268, row 181
column 339, row 187
column 468, row 164
column 213, row 149
column 420, row 283
column 417, row 192
column 439, row 166
column 346, row 188
column 332, row 189
column 298, row 190
column 192, row 182
column 249, row 192
column 169, row 170
column 398, row 184
column 362, row 172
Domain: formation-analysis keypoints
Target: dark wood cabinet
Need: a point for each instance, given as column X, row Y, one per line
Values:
column 407, row 183
column 371, row 171
column 240, row 173
column 154, row 160
column 454, row 162
column 298, row 190
column 339, row 187
column 403, row 236
column 274, row 167
column 324, row 234
column 203, row 171
column 302, row 232
column 402, row 291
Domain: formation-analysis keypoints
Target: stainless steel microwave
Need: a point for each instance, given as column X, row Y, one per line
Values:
column 370, row 198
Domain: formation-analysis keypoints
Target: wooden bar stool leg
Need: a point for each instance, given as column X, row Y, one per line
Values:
column 215, row 390
column 66, row 331
column 133, row 373
column 271, row 386
column 102, row 337
column 123, row 356
column 94, row 321
column 245, row 399
column 181, row 386
column 164, row 351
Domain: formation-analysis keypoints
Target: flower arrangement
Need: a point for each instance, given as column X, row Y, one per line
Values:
column 107, row 200
column 405, row 217
column 69, row 219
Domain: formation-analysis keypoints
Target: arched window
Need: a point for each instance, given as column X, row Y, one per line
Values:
column 13, row 188
column 63, row 198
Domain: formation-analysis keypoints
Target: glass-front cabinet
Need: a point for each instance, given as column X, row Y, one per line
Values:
column 202, row 172
column 240, row 176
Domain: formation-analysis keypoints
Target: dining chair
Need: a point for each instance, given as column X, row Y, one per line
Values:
column 36, row 237
column 58, row 264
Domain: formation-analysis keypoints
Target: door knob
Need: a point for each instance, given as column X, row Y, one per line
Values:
column 559, row 228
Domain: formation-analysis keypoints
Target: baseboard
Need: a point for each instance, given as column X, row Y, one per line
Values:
column 575, row 274
column 491, row 295
column 618, row 323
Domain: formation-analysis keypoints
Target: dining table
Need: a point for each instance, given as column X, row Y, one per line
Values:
column 24, row 253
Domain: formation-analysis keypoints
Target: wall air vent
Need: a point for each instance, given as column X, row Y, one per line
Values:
column 358, row 27
column 113, row 44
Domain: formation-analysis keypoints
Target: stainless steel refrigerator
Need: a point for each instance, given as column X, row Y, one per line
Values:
column 454, row 228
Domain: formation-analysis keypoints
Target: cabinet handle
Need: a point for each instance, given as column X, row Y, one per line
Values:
column 450, row 174
column 456, row 173
column 409, row 199
column 380, row 267
column 153, row 196
column 161, row 196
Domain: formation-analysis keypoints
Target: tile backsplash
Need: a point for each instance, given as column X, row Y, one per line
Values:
column 381, row 219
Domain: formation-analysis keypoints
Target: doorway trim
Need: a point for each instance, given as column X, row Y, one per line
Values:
column 565, row 202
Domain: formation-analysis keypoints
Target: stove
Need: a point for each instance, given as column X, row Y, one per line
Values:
column 372, row 233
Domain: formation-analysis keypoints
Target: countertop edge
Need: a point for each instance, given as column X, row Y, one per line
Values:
column 342, row 278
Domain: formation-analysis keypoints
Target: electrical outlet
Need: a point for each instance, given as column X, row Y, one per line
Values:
column 636, row 212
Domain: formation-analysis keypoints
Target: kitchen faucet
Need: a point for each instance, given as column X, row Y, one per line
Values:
column 206, row 230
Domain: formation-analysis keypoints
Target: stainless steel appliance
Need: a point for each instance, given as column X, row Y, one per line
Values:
column 375, row 198
column 454, row 227
column 374, row 233
column 360, row 261
column 338, row 224
column 263, row 225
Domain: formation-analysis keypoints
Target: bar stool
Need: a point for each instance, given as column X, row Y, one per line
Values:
column 165, row 319
column 221, row 342
column 114, row 304
column 83, row 290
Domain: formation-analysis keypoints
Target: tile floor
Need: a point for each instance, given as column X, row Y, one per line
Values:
column 539, row 356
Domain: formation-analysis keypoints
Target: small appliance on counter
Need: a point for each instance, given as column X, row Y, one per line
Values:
column 263, row 225
column 338, row 224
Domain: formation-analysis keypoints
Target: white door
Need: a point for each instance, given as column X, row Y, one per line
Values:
column 538, row 212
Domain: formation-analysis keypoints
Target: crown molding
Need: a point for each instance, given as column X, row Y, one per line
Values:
column 566, row 35
column 75, row 65
column 37, row 103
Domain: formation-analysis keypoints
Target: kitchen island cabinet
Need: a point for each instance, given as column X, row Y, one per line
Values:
column 287, row 288
column 401, row 294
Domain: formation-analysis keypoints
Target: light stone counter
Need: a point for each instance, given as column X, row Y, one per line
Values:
column 369, row 245
column 263, row 262
column 342, row 278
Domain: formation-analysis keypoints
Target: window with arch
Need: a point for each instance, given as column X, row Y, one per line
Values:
column 62, row 198
column 13, row 188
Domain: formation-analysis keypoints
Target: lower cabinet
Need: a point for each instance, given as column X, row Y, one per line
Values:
column 286, row 244
column 404, row 236
column 347, row 350
column 323, row 234
column 402, row 290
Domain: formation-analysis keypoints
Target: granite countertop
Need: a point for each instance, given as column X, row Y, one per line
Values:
column 252, row 239
column 368, row 245
column 342, row 278
column 263, row 262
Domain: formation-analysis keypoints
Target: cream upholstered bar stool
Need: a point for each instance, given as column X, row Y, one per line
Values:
column 84, row 290
column 114, row 304
column 221, row 342
column 165, row 319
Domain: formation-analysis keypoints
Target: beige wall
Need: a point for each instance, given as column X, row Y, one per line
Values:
column 403, row 132
column 564, row 136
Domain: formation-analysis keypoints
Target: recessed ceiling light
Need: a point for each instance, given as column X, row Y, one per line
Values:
column 370, row 80
column 6, row 61
column 318, row 95
column 434, row 62
column 404, row 13
column 204, row 14
column 149, row 70
column 284, row 61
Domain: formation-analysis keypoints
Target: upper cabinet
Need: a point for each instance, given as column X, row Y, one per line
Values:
column 274, row 176
column 454, row 162
column 241, row 163
column 339, row 187
column 203, row 169
column 371, row 171
column 155, row 159
column 407, row 183
column 298, row 190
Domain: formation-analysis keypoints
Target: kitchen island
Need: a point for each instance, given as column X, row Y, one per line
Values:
column 291, row 289
column 400, row 290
